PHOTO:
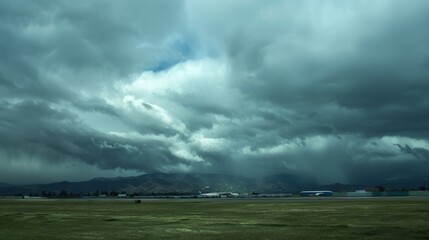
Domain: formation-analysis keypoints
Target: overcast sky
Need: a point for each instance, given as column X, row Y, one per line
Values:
column 333, row 90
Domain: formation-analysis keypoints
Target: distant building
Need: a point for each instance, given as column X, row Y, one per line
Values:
column 122, row 195
column 359, row 193
column 316, row 193
column 31, row 197
column 274, row 195
column 218, row 194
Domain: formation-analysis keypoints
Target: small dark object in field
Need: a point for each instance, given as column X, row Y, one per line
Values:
column 138, row 201
column 111, row 220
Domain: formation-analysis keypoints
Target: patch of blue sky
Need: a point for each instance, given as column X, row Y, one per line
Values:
column 179, row 50
column 163, row 65
column 183, row 47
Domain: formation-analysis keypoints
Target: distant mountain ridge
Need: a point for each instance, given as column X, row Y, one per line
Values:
column 2, row 184
column 156, row 183
column 176, row 183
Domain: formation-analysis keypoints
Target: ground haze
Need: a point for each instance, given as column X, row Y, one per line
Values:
column 304, row 218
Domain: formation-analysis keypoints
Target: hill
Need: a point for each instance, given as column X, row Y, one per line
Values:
column 2, row 184
column 158, row 183
column 179, row 183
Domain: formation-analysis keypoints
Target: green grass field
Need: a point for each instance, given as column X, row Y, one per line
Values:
column 329, row 218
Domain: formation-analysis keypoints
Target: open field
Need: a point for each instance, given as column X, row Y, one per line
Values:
column 325, row 218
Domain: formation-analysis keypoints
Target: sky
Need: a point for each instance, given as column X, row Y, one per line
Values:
column 336, row 91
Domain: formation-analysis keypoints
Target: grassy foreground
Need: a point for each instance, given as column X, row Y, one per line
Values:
column 394, row 218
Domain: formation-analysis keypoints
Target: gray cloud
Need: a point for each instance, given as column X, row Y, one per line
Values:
column 53, row 136
column 323, row 90
column 419, row 153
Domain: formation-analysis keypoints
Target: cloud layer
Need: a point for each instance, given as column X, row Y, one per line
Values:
column 333, row 91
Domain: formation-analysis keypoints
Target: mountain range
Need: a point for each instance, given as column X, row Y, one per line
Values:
column 176, row 183
column 5, row 184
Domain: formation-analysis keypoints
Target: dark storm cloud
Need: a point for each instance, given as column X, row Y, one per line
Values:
column 57, row 57
column 373, row 73
column 325, row 69
column 52, row 50
column 420, row 153
column 321, row 89
column 94, row 34
column 56, row 135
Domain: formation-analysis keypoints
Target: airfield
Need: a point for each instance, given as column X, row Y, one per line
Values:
column 283, row 218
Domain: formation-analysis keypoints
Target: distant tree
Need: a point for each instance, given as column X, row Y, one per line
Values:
column 136, row 194
column 63, row 193
column 52, row 194
column 423, row 188
column 380, row 188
